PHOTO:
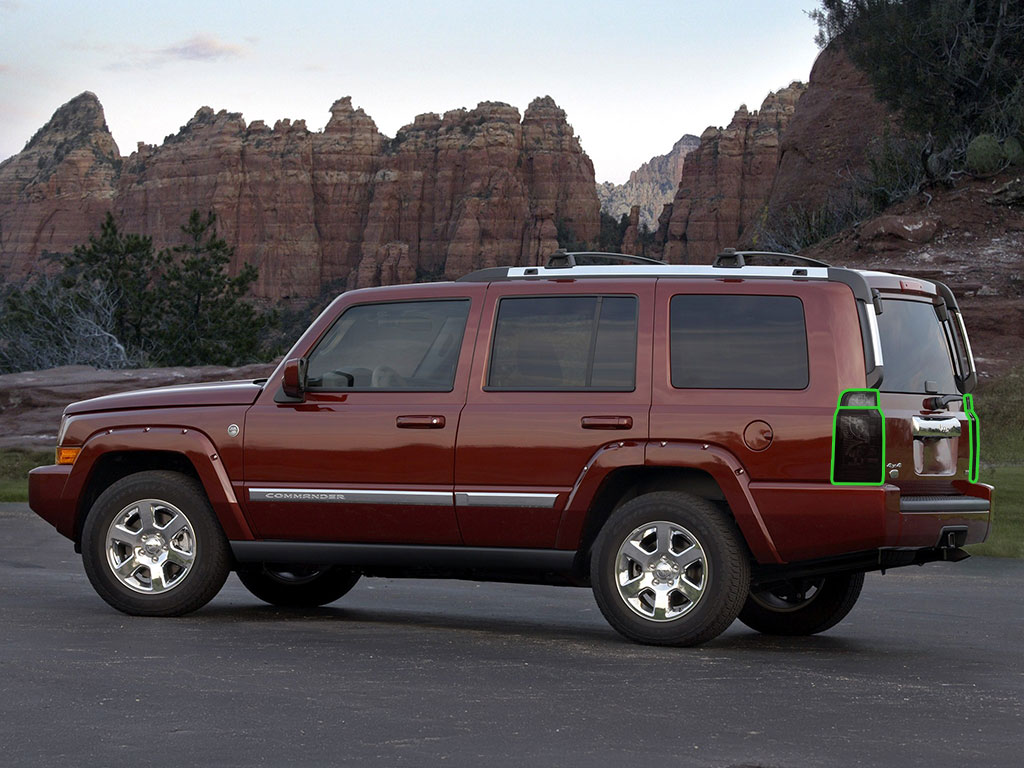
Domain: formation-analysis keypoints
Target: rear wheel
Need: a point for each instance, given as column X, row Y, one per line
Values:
column 669, row 568
column 152, row 545
column 802, row 606
column 297, row 586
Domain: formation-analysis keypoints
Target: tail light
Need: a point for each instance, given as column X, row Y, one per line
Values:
column 858, row 439
column 974, row 438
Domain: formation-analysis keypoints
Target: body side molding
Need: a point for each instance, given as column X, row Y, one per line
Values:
column 351, row 496
column 405, row 498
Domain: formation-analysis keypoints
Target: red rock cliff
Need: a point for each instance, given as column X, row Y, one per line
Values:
column 57, row 189
column 725, row 181
column 825, row 145
column 342, row 207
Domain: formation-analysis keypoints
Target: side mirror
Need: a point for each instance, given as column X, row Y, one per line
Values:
column 294, row 381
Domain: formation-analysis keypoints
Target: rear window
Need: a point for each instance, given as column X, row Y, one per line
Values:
column 564, row 342
column 738, row 342
column 914, row 349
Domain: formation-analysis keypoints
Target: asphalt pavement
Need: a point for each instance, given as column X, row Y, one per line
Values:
column 928, row 670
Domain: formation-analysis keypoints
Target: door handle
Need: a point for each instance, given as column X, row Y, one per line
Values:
column 420, row 422
column 607, row 422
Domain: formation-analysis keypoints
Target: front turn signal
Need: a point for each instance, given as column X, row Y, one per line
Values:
column 67, row 455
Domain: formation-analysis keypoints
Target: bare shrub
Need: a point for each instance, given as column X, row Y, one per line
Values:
column 48, row 323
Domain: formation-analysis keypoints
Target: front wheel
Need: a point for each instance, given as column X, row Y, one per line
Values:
column 802, row 606
column 152, row 545
column 670, row 568
column 297, row 586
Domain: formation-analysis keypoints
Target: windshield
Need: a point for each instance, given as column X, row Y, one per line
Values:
column 914, row 349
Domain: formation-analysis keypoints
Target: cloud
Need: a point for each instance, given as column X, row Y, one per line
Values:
column 10, row 5
column 200, row 48
column 91, row 46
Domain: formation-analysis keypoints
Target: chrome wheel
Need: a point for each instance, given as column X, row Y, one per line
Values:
column 294, row 574
column 661, row 571
column 297, row 586
column 151, row 546
column 790, row 596
column 801, row 606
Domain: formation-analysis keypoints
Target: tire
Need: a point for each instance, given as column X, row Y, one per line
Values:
column 788, row 609
column 670, row 568
column 297, row 586
column 152, row 545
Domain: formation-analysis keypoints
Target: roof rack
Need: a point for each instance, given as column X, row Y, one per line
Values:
column 730, row 258
column 729, row 263
column 563, row 259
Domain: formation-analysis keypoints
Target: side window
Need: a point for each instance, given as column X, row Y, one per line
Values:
column 407, row 345
column 564, row 342
column 738, row 342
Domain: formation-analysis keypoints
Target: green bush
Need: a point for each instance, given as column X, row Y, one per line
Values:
column 948, row 67
column 984, row 154
column 1014, row 151
column 895, row 171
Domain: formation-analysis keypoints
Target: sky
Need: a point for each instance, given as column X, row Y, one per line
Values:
column 632, row 76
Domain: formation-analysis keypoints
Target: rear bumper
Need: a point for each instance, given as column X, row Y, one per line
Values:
column 817, row 520
column 45, row 497
column 927, row 521
column 939, row 505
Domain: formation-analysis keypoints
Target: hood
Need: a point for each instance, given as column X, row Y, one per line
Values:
column 214, row 393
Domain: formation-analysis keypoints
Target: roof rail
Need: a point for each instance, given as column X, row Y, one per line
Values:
column 563, row 259
column 730, row 258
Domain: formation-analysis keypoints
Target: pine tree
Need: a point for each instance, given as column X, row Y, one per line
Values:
column 205, row 319
column 125, row 265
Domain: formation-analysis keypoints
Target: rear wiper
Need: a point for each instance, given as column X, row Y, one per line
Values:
column 937, row 403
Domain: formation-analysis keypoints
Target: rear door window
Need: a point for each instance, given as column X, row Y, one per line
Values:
column 738, row 342
column 405, row 345
column 914, row 349
column 564, row 343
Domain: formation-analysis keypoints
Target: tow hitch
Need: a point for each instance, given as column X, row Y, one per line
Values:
column 951, row 539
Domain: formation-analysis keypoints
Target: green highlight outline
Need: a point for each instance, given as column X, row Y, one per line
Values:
column 973, row 438
column 835, row 426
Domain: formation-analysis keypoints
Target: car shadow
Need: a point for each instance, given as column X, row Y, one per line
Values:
column 595, row 632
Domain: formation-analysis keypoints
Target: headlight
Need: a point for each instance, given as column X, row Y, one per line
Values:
column 63, row 429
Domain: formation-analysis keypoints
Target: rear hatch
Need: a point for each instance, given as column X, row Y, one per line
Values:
column 927, row 369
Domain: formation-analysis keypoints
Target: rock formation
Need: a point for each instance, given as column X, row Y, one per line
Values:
column 58, row 188
column 725, row 181
column 650, row 186
column 824, row 148
column 631, row 237
column 346, row 206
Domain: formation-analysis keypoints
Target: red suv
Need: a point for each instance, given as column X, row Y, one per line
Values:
column 694, row 443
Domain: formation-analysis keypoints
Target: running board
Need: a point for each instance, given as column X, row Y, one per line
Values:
column 404, row 556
